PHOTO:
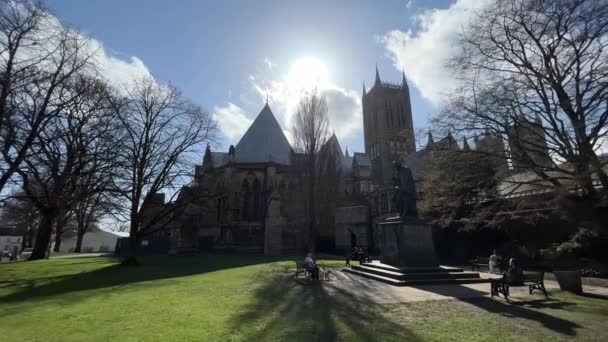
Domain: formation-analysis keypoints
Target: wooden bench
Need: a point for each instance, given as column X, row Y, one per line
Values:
column 533, row 280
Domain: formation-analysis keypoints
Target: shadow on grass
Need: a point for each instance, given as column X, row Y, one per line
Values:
column 593, row 295
column 517, row 309
column 303, row 310
column 151, row 268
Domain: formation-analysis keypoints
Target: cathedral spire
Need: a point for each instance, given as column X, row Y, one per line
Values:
column 404, row 81
column 465, row 145
column 207, row 159
column 430, row 141
column 364, row 92
column 378, row 81
column 346, row 153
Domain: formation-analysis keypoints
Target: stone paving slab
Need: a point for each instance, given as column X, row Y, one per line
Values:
column 386, row 294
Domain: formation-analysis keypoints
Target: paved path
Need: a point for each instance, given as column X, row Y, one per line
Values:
column 384, row 293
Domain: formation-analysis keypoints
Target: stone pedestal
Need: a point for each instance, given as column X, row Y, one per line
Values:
column 407, row 244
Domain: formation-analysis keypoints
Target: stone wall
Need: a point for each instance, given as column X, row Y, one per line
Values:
column 352, row 220
column 273, row 234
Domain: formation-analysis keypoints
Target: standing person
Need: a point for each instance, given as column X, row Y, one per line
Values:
column 312, row 266
column 494, row 261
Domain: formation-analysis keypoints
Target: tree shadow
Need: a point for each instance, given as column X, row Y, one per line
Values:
column 518, row 309
column 291, row 309
column 151, row 268
column 593, row 295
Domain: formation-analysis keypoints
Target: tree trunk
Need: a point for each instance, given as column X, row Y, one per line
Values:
column 58, row 233
column 43, row 238
column 79, row 236
column 312, row 237
column 130, row 258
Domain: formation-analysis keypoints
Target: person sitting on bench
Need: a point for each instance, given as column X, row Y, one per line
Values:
column 312, row 266
column 515, row 273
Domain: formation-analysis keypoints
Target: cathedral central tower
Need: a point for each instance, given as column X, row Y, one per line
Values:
column 387, row 125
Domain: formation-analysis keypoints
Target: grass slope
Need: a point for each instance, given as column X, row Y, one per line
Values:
column 222, row 297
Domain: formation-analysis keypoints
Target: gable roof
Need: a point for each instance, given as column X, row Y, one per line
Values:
column 264, row 141
column 333, row 146
column 362, row 159
column 219, row 158
column 347, row 166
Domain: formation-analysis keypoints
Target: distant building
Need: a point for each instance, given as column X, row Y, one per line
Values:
column 250, row 198
column 95, row 241
column 527, row 143
column 11, row 240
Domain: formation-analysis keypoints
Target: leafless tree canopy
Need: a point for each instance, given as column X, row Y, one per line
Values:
column 310, row 127
column 159, row 134
column 38, row 58
column 542, row 64
column 310, row 130
column 71, row 159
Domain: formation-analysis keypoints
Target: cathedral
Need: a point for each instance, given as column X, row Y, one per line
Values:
column 249, row 197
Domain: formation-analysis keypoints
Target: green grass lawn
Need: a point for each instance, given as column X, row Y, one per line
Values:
column 585, row 280
column 220, row 297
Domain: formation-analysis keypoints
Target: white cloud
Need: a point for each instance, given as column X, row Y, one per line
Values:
column 232, row 120
column 423, row 54
column 344, row 105
column 118, row 71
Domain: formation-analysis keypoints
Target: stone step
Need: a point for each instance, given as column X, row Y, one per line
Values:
column 440, row 269
column 395, row 282
column 399, row 275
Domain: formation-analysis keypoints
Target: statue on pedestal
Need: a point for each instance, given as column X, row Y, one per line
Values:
column 404, row 197
column 406, row 241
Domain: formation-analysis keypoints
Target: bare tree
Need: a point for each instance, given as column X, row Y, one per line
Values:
column 310, row 130
column 89, row 211
column 160, row 133
column 19, row 212
column 38, row 57
column 536, row 74
column 76, row 146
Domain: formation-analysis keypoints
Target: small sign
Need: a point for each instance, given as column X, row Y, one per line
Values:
column 144, row 242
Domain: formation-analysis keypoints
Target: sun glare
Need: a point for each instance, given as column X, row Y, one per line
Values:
column 307, row 73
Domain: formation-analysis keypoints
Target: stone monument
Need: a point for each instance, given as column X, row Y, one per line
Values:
column 405, row 241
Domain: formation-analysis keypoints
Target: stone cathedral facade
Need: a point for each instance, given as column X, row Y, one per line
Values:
column 250, row 198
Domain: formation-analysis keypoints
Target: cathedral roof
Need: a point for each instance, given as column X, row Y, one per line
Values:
column 447, row 143
column 264, row 141
column 347, row 166
column 219, row 158
column 416, row 162
column 362, row 159
column 333, row 146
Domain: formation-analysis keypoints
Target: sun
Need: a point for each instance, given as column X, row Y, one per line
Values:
column 308, row 73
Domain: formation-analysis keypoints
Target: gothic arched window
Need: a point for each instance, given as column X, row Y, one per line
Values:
column 256, row 200
column 246, row 191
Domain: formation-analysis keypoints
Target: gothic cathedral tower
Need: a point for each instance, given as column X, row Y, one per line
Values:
column 387, row 125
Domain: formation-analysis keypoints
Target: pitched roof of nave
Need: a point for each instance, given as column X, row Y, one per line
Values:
column 362, row 159
column 333, row 146
column 264, row 141
column 416, row 161
column 347, row 165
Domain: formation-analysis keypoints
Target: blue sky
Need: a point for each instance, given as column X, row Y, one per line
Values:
column 226, row 55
